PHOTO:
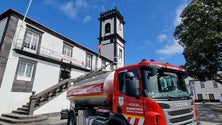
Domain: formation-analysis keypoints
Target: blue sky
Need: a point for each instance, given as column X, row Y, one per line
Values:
column 149, row 27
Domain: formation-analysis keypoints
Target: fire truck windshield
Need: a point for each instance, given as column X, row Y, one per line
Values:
column 164, row 84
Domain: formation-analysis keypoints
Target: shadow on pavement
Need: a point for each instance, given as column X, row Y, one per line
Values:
column 210, row 112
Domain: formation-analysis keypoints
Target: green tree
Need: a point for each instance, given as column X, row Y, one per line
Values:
column 200, row 33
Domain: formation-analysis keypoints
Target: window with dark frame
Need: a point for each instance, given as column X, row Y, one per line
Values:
column 215, row 84
column 107, row 28
column 202, row 84
column 24, row 77
column 25, row 70
column 67, row 50
column 31, row 40
column 120, row 54
column 88, row 61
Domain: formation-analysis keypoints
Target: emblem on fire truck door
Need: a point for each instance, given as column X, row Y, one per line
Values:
column 121, row 101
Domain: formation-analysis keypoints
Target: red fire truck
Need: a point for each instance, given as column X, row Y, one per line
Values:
column 147, row 93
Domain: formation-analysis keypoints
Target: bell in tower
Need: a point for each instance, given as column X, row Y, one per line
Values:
column 111, row 37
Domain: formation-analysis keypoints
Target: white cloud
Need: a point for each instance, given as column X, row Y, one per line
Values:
column 72, row 9
column 161, row 38
column 172, row 49
column 69, row 9
column 81, row 4
column 179, row 10
column 175, row 47
column 87, row 18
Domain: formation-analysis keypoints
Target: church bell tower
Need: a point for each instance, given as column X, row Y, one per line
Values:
column 111, row 37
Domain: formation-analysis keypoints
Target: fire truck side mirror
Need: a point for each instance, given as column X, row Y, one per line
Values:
column 153, row 71
column 132, row 87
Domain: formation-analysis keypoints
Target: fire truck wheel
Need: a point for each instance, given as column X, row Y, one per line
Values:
column 71, row 118
column 118, row 120
column 117, row 123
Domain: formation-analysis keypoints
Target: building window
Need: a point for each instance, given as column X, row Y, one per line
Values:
column 200, row 96
column 67, row 50
column 31, row 40
column 202, row 85
column 120, row 26
column 107, row 28
column 215, row 84
column 190, row 87
column 120, row 54
column 25, row 70
column 211, row 97
column 88, row 61
column 67, row 54
column 24, row 77
column 103, row 64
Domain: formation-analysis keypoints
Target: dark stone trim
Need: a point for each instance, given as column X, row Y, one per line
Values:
column 112, row 36
column 115, row 50
column 3, row 59
column 49, row 59
column 22, row 85
column 6, row 45
column 112, row 43
column 100, row 31
column 115, row 27
column 3, row 35
column 112, row 13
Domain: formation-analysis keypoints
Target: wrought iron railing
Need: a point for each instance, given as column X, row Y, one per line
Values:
column 37, row 49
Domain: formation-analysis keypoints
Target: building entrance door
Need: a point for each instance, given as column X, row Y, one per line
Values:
column 64, row 73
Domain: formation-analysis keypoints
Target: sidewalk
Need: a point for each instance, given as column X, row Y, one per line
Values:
column 54, row 119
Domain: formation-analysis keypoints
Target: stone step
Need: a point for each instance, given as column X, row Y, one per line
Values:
column 20, row 112
column 17, row 116
column 4, row 123
column 12, row 118
column 25, row 106
column 23, row 109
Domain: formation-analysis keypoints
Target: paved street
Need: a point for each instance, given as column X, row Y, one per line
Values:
column 210, row 113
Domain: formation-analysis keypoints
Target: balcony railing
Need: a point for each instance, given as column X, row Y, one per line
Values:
column 42, row 51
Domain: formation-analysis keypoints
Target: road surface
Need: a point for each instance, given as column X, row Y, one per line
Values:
column 210, row 113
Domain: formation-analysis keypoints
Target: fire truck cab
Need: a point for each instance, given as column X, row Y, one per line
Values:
column 147, row 93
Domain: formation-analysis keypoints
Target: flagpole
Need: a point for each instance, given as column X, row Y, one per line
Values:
column 26, row 12
column 99, row 48
column 21, row 25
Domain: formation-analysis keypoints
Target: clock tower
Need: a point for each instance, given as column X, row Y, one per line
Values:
column 111, row 37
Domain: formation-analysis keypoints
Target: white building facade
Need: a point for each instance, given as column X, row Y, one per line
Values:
column 34, row 58
column 204, row 91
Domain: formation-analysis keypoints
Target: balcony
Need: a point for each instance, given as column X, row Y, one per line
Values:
column 46, row 54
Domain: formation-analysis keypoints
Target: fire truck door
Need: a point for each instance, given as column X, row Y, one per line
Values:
column 130, row 106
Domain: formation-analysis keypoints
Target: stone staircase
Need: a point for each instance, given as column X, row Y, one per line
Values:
column 24, row 114
column 13, row 118
column 22, row 110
